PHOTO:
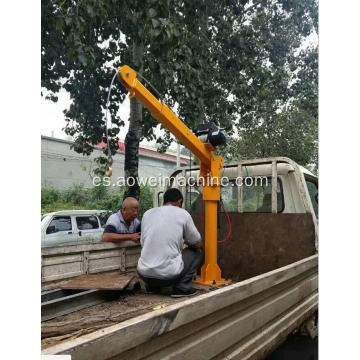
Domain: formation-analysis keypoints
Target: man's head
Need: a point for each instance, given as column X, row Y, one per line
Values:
column 173, row 197
column 130, row 209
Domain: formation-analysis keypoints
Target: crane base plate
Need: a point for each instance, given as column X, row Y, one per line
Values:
column 213, row 283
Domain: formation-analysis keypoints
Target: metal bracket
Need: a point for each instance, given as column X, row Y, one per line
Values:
column 274, row 187
column 123, row 260
column 86, row 262
column 240, row 190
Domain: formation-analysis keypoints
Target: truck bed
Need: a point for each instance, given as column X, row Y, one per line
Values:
column 245, row 320
column 100, row 316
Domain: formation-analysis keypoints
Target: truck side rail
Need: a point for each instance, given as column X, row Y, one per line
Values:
column 64, row 262
column 245, row 320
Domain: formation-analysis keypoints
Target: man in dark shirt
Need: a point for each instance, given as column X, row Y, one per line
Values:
column 124, row 225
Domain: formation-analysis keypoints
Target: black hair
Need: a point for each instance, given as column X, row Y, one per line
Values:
column 172, row 195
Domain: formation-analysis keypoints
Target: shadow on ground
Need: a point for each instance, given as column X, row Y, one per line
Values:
column 296, row 347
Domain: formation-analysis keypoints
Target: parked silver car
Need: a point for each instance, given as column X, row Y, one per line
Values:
column 72, row 227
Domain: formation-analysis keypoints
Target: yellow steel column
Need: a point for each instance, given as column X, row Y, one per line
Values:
column 210, row 271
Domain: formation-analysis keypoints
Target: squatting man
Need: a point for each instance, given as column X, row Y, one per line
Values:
column 163, row 261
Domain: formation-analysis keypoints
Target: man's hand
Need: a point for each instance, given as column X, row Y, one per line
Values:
column 117, row 238
column 136, row 238
column 197, row 245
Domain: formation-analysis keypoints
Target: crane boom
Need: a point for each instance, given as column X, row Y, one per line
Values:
column 164, row 115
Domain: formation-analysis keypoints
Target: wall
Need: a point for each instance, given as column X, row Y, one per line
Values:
column 62, row 167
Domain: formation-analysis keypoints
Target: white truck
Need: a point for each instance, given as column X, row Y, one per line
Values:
column 270, row 255
column 72, row 227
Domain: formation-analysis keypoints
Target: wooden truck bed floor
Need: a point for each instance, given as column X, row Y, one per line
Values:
column 103, row 315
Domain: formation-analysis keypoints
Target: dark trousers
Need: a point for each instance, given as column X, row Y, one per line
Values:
column 193, row 259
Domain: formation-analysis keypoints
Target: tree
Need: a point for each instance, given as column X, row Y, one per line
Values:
column 278, row 112
column 161, row 43
column 288, row 130
column 233, row 62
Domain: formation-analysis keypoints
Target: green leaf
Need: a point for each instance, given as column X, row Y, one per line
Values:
column 83, row 59
column 168, row 32
column 152, row 12
column 68, row 20
column 90, row 10
column 157, row 32
column 59, row 24
column 155, row 23
column 164, row 21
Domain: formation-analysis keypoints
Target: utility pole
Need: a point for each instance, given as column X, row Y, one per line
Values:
column 178, row 155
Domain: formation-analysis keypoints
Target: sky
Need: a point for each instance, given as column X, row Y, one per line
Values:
column 53, row 121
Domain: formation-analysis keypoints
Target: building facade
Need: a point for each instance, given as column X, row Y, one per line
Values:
column 62, row 167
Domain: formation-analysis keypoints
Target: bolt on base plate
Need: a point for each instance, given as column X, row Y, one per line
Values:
column 213, row 283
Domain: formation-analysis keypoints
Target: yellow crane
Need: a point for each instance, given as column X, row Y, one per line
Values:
column 211, row 165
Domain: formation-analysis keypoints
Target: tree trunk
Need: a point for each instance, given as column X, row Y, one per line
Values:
column 133, row 136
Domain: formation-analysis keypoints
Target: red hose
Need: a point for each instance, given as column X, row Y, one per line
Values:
column 229, row 223
column 227, row 216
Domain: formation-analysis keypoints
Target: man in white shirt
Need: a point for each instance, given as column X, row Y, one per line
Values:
column 163, row 262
